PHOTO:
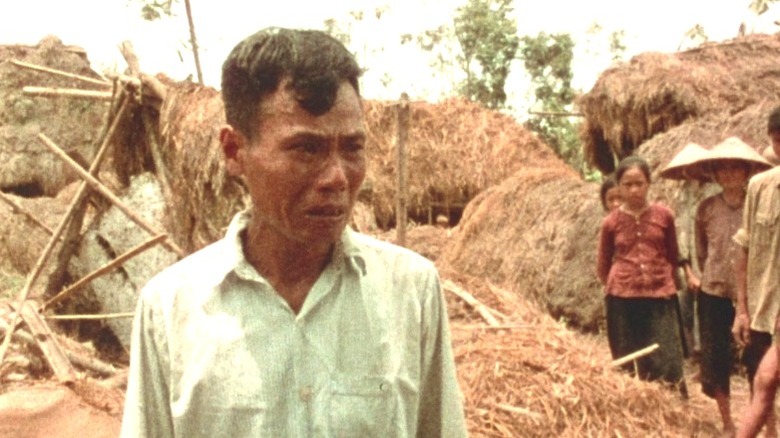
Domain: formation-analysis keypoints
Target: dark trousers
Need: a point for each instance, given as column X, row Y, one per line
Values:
column 754, row 352
column 716, row 316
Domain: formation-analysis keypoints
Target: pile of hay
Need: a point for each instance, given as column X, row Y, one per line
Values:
column 654, row 92
column 455, row 149
column 536, row 233
column 538, row 379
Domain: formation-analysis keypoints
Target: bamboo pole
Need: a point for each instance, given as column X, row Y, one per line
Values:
column 60, row 73
column 5, row 198
column 67, row 92
column 33, row 275
column 480, row 308
column 633, row 356
column 90, row 317
column 193, row 41
column 103, row 190
column 401, row 189
column 95, row 365
column 108, row 267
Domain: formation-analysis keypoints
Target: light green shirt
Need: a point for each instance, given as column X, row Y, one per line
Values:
column 216, row 352
column 760, row 234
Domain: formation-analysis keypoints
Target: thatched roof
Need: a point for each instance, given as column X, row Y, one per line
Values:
column 455, row 149
column 632, row 102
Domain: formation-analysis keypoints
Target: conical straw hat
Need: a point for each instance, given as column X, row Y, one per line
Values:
column 732, row 149
column 679, row 164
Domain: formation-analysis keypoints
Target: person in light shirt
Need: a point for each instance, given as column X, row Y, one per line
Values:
column 293, row 325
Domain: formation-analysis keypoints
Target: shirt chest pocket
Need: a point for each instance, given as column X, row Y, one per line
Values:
column 361, row 406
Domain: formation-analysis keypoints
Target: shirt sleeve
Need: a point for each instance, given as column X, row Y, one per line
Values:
column 441, row 402
column 147, row 412
column 605, row 251
column 742, row 238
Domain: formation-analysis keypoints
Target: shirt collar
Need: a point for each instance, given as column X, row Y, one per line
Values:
column 347, row 250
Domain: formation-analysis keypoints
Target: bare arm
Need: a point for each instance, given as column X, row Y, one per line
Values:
column 741, row 328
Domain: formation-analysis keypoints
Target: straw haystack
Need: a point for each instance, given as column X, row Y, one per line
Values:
column 532, row 377
column 654, row 92
column 536, row 233
column 455, row 149
column 26, row 168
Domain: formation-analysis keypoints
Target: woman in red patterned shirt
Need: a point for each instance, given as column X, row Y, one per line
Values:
column 636, row 261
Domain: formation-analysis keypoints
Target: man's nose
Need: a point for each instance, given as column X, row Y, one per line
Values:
column 333, row 174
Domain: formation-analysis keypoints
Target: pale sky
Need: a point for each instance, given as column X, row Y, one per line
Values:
column 99, row 25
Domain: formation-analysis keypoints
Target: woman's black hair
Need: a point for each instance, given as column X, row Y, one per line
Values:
column 631, row 162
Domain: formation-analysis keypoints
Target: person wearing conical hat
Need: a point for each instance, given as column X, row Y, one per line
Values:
column 758, row 288
column 718, row 217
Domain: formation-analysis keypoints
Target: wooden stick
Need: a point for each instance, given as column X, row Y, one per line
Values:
column 518, row 410
column 633, row 356
column 95, row 365
column 33, row 275
column 60, row 73
column 25, row 212
column 108, row 267
column 193, row 41
column 67, row 92
column 103, row 190
column 403, row 112
column 90, row 317
column 51, row 349
column 480, row 308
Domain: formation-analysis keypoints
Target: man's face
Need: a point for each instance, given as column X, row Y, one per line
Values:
column 303, row 171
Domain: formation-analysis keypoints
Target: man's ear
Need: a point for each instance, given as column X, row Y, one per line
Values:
column 233, row 144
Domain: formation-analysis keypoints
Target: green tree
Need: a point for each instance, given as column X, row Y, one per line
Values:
column 489, row 41
column 548, row 59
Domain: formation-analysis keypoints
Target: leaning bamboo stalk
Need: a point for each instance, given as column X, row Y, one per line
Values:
column 103, row 190
column 5, row 198
column 108, row 267
column 60, row 73
column 633, row 356
column 480, row 308
column 33, row 275
column 95, row 317
column 95, row 365
column 67, row 92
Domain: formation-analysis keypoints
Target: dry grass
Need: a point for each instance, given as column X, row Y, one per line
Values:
column 539, row 379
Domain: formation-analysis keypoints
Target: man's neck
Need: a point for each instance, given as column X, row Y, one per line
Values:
column 290, row 267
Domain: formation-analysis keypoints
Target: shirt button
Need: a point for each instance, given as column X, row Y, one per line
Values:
column 305, row 393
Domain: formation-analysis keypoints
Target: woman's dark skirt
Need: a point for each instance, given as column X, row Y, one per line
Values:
column 636, row 323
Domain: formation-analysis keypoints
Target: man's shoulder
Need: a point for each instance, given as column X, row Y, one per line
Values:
column 205, row 266
column 376, row 250
column 763, row 179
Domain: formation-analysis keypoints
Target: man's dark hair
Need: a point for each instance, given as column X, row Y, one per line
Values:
column 773, row 123
column 631, row 162
column 315, row 62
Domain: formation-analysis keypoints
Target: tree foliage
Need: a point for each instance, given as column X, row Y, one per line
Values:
column 548, row 60
column 489, row 42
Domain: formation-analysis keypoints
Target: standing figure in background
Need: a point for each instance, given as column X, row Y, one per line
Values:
column 758, row 291
column 637, row 257
column 609, row 193
column 718, row 218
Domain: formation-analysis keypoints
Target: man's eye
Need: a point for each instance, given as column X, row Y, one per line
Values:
column 309, row 148
column 354, row 147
